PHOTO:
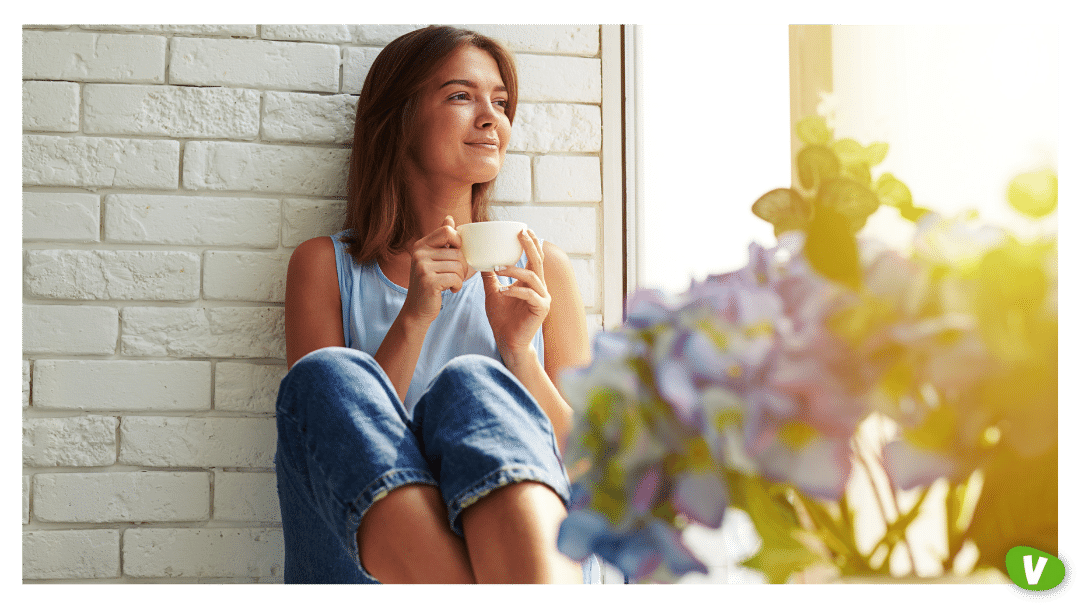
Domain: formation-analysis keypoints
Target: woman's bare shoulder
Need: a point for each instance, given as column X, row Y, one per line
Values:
column 316, row 251
column 555, row 259
column 312, row 299
column 566, row 338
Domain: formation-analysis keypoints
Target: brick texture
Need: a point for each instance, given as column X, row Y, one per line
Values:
column 246, row 387
column 209, row 552
column 50, row 106
column 120, row 497
column 157, row 441
column 122, row 385
column 254, row 63
column 87, row 57
column 82, row 441
column 111, row 275
column 246, row 497
column 61, row 216
column 263, row 168
column 229, row 332
column 69, row 330
column 192, row 112
column 100, row 162
column 192, row 220
column 71, row 554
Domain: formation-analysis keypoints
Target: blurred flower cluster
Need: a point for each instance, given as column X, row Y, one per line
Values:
column 754, row 388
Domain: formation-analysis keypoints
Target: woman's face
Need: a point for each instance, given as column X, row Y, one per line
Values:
column 462, row 128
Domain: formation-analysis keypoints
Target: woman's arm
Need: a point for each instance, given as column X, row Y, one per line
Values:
column 312, row 300
column 437, row 264
column 566, row 343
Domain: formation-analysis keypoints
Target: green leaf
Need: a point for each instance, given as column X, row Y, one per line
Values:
column 1034, row 194
column 893, row 192
column 859, row 172
column 837, row 536
column 779, row 562
column 853, row 200
column 876, row 152
column 816, row 165
column 912, row 213
column 813, row 130
column 784, row 208
column 849, row 151
column 781, row 553
column 831, row 248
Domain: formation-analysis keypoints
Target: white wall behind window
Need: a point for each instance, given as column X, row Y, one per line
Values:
column 716, row 136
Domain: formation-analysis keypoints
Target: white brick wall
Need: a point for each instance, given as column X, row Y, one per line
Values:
column 88, row 57
column 71, row 554
column 168, row 173
column 80, row 441
column 100, row 162
column 121, row 497
column 204, row 552
column 212, row 112
column 247, row 387
column 111, row 275
column 61, row 216
column 50, row 106
column 115, row 385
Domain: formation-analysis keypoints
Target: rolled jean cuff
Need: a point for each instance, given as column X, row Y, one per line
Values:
column 377, row 490
column 497, row 479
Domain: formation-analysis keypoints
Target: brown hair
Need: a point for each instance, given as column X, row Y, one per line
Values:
column 377, row 214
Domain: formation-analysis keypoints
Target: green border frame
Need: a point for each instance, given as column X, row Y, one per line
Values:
column 608, row 11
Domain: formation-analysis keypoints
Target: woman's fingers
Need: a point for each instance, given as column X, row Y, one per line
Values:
column 533, row 299
column 434, row 267
column 491, row 282
column 533, row 252
column 442, row 260
column 526, row 277
column 443, row 237
column 446, row 255
column 441, row 281
column 446, row 236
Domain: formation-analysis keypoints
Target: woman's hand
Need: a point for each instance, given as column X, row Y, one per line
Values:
column 517, row 312
column 437, row 265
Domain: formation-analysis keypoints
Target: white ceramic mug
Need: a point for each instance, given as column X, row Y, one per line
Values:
column 490, row 244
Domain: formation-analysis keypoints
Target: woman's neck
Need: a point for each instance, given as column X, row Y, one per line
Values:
column 431, row 205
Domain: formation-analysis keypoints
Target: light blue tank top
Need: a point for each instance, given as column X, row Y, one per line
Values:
column 370, row 303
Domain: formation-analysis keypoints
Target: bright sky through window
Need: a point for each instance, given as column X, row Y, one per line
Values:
column 716, row 137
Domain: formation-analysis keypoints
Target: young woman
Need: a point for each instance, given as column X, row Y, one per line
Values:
column 419, row 426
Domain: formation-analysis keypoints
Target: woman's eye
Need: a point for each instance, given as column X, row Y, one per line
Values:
column 459, row 96
column 504, row 103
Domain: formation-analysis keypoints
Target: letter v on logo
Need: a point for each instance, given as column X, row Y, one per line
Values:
column 1033, row 574
column 1034, row 570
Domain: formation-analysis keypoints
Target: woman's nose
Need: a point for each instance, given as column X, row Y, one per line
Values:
column 485, row 116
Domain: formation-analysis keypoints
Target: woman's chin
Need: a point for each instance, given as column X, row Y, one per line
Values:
column 485, row 174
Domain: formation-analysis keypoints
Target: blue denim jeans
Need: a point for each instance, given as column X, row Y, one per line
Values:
column 345, row 440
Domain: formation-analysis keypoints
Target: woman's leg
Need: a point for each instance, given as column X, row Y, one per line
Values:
column 493, row 450
column 511, row 535
column 404, row 538
column 358, row 502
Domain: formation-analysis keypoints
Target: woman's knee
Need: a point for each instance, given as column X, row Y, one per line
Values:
column 320, row 378
column 329, row 360
column 472, row 366
column 479, row 383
